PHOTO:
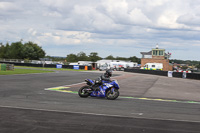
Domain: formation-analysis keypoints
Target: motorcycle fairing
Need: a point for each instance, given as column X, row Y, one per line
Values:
column 103, row 88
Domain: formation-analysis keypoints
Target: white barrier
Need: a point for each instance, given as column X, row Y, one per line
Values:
column 170, row 73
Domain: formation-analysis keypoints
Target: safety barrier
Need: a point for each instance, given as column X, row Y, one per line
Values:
column 165, row 73
column 193, row 76
column 154, row 72
column 45, row 65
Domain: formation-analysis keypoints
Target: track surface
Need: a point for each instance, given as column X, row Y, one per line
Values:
column 26, row 107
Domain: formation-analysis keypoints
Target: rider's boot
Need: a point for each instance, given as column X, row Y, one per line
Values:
column 96, row 88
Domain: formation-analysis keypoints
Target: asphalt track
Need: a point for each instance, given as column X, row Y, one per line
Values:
column 48, row 103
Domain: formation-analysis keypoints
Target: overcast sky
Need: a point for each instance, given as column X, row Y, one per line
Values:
column 109, row 27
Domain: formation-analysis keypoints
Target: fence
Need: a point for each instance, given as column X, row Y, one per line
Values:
column 164, row 73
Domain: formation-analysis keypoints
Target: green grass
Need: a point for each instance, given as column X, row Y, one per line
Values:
column 54, row 69
column 23, row 71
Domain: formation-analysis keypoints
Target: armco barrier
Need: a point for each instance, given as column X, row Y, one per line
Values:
column 177, row 74
column 154, row 72
column 46, row 65
column 193, row 75
column 164, row 73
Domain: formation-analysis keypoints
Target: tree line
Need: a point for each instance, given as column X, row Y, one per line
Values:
column 189, row 62
column 18, row 50
column 31, row 51
column 93, row 56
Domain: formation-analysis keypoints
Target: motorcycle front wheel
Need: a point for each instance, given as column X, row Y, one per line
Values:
column 112, row 95
column 83, row 91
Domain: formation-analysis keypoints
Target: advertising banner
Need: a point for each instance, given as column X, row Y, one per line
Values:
column 76, row 67
column 184, row 75
column 58, row 66
column 170, row 73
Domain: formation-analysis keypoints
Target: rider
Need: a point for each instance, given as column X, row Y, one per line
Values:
column 105, row 77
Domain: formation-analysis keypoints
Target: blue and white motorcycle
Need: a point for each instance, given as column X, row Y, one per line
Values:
column 100, row 88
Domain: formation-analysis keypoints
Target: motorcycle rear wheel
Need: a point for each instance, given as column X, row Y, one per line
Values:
column 83, row 92
column 112, row 95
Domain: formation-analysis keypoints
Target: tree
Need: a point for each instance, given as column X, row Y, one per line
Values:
column 82, row 57
column 121, row 58
column 198, row 66
column 110, row 57
column 135, row 59
column 32, row 51
column 38, row 52
column 28, row 52
column 2, row 49
column 94, row 57
column 6, row 51
column 17, row 50
column 72, row 58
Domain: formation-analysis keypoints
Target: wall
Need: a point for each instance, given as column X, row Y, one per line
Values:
column 158, row 57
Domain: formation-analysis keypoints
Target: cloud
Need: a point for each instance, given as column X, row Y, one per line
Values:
column 60, row 37
column 190, row 20
column 139, row 24
column 8, row 6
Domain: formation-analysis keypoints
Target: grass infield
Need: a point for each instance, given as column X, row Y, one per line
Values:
column 23, row 71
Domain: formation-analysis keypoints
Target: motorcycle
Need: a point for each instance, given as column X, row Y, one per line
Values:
column 100, row 88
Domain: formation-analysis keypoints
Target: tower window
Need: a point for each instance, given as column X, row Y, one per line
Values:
column 160, row 52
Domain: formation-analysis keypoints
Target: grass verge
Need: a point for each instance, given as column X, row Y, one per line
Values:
column 23, row 71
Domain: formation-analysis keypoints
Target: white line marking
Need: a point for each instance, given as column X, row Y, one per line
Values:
column 137, row 113
column 65, row 85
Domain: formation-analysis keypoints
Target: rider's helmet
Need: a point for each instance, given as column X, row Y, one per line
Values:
column 109, row 72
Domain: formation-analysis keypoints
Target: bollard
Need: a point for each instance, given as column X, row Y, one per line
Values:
column 86, row 67
column 184, row 74
column 170, row 73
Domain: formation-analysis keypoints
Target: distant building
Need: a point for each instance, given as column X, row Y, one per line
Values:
column 105, row 61
column 157, row 55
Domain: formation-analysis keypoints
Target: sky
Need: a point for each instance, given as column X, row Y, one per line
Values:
column 121, row 28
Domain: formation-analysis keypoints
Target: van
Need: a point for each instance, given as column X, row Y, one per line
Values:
column 153, row 66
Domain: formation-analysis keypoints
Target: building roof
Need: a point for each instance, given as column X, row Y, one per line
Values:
column 146, row 53
column 108, row 61
column 149, row 53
